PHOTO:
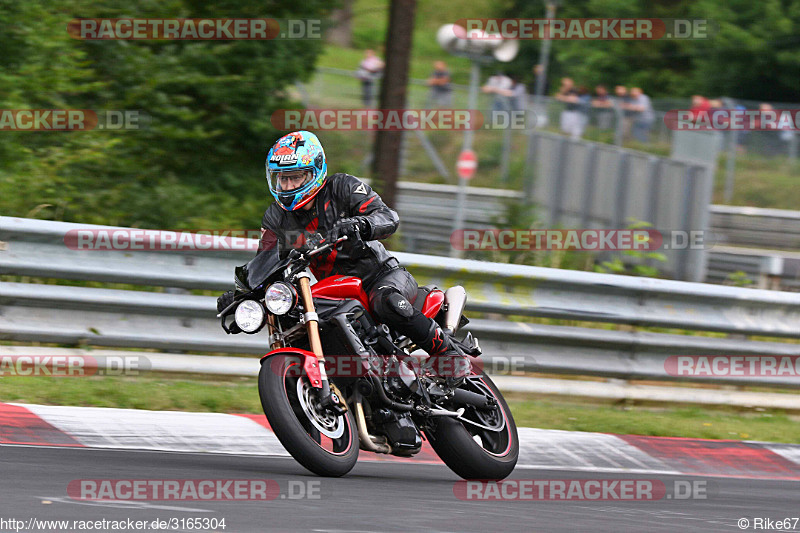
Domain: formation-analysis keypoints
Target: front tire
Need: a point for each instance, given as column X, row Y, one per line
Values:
column 285, row 398
column 473, row 452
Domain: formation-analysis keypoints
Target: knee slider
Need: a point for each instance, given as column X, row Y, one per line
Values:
column 399, row 305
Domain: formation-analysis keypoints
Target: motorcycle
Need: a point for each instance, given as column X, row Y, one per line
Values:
column 336, row 381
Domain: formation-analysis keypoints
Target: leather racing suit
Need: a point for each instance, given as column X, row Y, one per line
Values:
column 390, row 288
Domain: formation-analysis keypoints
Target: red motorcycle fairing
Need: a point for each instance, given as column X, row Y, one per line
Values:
column 341, row 288
column 433, row 303
column 309, row 363
column 351, row 288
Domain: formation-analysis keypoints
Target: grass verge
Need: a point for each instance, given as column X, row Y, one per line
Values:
column 240, row 395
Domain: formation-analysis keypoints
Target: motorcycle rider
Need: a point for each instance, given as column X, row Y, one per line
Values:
column 308, row 201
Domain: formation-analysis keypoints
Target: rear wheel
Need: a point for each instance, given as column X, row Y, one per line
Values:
column 320, row 440
column 481, row 444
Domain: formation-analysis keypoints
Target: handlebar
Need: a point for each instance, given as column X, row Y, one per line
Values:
column 303, row 259
column 320, row 249
column 298, row 261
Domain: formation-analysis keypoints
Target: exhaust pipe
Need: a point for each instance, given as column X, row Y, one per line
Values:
column 461, row 396
column 367, row 442
column 456, row 299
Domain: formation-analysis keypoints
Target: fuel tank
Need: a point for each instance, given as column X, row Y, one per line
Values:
column 341, row 288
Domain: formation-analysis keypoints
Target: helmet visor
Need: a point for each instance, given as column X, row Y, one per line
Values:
column 286, row 181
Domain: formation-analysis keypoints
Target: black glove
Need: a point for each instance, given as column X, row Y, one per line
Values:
column 224, row 301
column 356, row 228
column 312, row 240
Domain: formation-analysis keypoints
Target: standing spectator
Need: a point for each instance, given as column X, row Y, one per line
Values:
column 584, row 107
column 741, row 136
column 498, row 85
column 439, row 82
column 763, row 139
column 369, row 70
column 538, row 70
column 644, row 116
column 700, row 104
column 571, row 117
column 624, row 115
column 517, row 95
column 603, row 103
column 776, row 139
column 717, row 112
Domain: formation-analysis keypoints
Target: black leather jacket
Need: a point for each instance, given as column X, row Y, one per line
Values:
column 342, row 196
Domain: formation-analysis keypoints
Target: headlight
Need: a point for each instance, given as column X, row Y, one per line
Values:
column 250, row 316
column 280, row 298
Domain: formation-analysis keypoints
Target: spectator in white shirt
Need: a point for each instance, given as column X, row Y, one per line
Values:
column 496, row 85
column 369, row 70
column 643, row 117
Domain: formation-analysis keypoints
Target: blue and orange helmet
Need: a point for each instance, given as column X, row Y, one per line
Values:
column 296, row 169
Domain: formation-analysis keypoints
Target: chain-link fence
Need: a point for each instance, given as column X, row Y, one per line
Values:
column 501, row 152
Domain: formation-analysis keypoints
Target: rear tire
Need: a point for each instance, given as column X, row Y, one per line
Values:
column 278, row 389
column 455, row 443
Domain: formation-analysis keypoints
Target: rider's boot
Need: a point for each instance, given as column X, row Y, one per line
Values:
column 445, row 359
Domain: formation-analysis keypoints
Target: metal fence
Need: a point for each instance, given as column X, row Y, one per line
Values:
column 427, row 211
column 757, row 227
column 573, row 183
column 580, row 184
column 156, row 319
column 602, row 124
column 499, row 151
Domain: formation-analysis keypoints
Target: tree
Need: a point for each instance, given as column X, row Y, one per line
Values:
column 755, row 54
column 208, row 106
column 341, row 29
column 752, row 52
column 386, row 160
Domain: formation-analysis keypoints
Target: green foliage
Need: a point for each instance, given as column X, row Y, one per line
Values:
column 196, row 393
column 760, row 181
column 636, row 262
column 626, row 417
column 198, row 161
column 520, row 216
column 739, row 279
column 753, row 52
column 369, row 31
column 207, row 103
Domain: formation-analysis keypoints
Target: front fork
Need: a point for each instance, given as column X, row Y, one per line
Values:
column 329, row 395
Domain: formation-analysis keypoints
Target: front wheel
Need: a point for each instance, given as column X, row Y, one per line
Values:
column 321, row 441
column 481, row 444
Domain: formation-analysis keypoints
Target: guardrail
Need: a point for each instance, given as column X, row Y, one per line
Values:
column 427, row 212
column 755, row 226
column 164, row 320
column 765, row 269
